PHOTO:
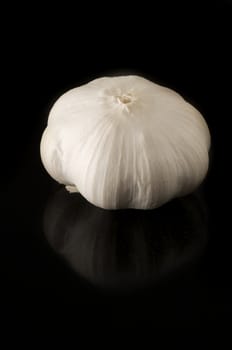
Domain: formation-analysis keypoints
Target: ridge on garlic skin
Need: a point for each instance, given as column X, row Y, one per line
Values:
column 125, row 142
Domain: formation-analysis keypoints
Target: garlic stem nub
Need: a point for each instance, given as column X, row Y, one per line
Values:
column 125, row 98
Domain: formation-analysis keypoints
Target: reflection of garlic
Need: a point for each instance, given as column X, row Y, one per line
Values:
column 130, row 248
column 126, row 142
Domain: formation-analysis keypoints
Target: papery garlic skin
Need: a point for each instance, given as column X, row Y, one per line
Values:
column 126, row 142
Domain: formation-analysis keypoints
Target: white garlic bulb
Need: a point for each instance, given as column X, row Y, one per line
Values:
column 126, row 142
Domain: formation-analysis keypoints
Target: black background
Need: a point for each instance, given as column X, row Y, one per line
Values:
column 50, row 50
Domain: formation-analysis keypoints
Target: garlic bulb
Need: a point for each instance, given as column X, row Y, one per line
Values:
column 125, row 142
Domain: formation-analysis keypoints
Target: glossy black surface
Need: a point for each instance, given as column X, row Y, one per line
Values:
column 68, row 265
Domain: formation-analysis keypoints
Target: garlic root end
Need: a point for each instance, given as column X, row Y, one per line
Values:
column 71, row 188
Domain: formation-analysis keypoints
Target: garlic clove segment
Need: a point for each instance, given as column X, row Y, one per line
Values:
column 126, row 142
